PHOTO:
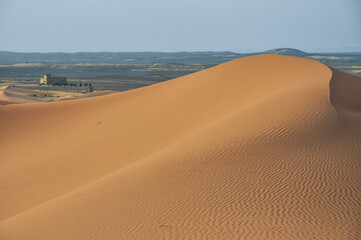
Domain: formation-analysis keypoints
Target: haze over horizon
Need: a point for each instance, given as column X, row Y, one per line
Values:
column 172, row 26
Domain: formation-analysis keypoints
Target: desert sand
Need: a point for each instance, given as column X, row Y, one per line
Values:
column 262, row 147
column 16, row 94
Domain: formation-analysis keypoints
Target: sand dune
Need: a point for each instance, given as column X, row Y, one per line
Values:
column 249, row 149
column 16, row 95
column 5, row 99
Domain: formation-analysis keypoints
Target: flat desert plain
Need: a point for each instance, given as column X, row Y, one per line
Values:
column 262, row 147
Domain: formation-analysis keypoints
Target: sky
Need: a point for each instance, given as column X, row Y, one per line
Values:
column 179, row 25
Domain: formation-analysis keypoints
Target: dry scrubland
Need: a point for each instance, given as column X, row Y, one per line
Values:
column 255, row 148
column 120, row 71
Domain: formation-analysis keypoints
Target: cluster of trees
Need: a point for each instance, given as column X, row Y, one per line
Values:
column 27, row 80
column 72, row 84
column 43, row 95
column 80, row 84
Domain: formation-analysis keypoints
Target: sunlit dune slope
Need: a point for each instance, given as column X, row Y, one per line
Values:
column 249, row 149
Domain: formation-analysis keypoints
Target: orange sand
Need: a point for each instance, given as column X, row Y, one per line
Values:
column 249, row 149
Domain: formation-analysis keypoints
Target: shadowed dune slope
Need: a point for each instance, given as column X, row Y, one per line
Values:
column 345, row 95
column 249, row 149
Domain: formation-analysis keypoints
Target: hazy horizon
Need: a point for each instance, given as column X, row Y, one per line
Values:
column 173, row 26
column 325, row 51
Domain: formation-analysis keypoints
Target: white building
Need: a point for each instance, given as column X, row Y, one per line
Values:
column 49, row 80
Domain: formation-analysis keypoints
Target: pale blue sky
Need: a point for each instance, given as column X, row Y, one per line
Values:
column 179, row 25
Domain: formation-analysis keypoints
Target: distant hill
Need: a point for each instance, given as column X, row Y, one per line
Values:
column 288, row 52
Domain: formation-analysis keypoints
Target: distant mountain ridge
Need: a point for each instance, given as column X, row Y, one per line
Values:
column 7, row 57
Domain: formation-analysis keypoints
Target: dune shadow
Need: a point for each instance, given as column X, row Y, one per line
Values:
column 345, row 96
